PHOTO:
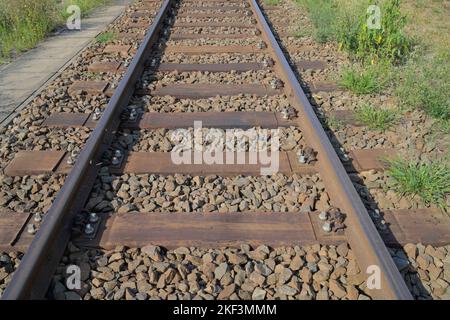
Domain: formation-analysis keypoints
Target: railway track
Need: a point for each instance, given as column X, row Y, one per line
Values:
column 127, row 140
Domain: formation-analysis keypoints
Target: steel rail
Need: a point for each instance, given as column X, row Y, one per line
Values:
column 32, row 278
column 361, row 232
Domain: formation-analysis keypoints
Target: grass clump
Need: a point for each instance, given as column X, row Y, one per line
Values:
column 323, row 17
column 272, row 2
column 85, row 6
column 387, row 43
column 105, row 37
column 366, row 79
column 429, row 181
column 346, row 21
column 23, row 23
column 375, row 118
column 334, row 123
column 425, row 84
column 360, row 81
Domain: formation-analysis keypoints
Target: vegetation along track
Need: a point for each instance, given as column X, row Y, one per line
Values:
column 119, row 186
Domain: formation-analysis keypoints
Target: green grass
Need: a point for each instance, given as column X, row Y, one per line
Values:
column 333, row 123
column 431, row 182
column 105, row 37
column 365, row 79
column 389, row 43
column 375, row 118
column 85, row 6
column 23, row 23
column 323, row 16
column 272, row 2
column 302, row 33
column 345, row 21
column 360, row 81
column 424, row 84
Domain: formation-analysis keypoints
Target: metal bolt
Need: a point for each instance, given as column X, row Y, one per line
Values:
column 344, row 155
column 276, row 84
column 118, row 153
column 153, row 63
column 383, row 225
column 320, row 112
column 96, row 114
column 323, row 215
column 89, row 229
column 37, row 217
column 262, row 45
column 93, row 217
column 115, row 161
column 301, row 159
column 376, row 213
column 285, row 114
column 31, row 229
column 133, row 115
column 268, row 63
column 326, row 227
column 256, row 32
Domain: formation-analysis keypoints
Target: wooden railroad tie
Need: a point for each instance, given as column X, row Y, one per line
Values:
column 213, row 229
column 48, row 162
column 181, row 91
column 207, row 90
column 210, row 15
column 196, row 36
column 116, row 66
column 156, row 120
column 51, row 161
column 213, row 24
column 210, row 49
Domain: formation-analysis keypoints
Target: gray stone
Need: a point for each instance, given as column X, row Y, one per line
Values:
column 153, row 252
column 287, row 290
column 259, row 294
column 221, row 270
column 263, row 269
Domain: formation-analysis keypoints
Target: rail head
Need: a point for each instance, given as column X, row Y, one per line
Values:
column 32, row 278
column 361, row 232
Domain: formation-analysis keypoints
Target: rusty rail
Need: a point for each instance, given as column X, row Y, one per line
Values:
column 361, row 233
column 32, row 278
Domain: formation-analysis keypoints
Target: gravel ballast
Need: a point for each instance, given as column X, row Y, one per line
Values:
column 288, row 273
column 184, row 193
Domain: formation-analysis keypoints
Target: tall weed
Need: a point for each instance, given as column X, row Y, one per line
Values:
column 388, row 43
